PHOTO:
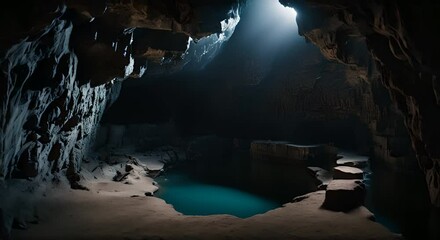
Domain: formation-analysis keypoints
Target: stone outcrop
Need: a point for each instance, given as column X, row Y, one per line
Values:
column 398, row 35
column 352, row 160
column 303, row 155
column 344, row 172
column 344, row 195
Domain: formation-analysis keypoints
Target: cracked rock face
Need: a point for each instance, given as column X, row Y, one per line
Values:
column 62, row 66
column 48, row 118
column 399, row 36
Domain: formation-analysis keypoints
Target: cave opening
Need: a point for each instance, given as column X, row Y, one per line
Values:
column 183, row 119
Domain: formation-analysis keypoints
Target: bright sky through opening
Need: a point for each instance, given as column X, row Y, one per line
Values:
column 286, row 12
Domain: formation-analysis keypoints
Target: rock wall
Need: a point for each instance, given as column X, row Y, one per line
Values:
column 62, row 66
column 48, row 117
column 329, row 91
column 399, row 36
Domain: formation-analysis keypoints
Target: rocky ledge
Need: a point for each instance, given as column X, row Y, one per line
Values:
column 398, row 37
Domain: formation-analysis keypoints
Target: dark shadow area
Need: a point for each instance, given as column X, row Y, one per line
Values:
column 400, row 202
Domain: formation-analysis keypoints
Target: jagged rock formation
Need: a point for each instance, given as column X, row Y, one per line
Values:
column 48, row 117
column 62, row 63
column 395, row 33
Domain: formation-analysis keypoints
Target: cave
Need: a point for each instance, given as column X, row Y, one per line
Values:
column 221, row 119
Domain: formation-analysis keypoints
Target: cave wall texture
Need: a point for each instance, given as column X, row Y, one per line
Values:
column 62, row 65
column 401, row 37
column 314, row 100
column 63, row 62
column 275, row 96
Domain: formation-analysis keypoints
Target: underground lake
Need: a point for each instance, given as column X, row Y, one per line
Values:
column 192, row 196
column 217, row 189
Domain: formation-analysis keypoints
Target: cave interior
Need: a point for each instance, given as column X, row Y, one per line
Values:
column 221, row 119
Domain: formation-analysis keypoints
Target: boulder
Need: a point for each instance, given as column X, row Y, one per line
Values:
column 344, row 195
column 344, row 172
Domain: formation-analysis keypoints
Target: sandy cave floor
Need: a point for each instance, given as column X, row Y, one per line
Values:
column 110, row 211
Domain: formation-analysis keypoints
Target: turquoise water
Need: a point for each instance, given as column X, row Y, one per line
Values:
column 192, row 197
